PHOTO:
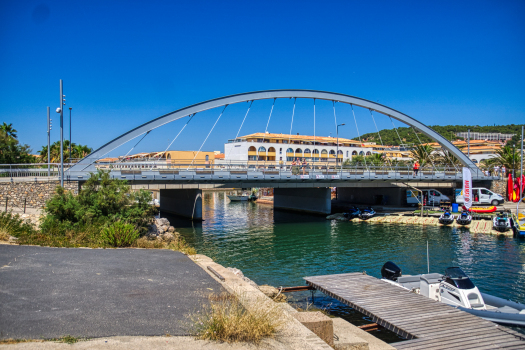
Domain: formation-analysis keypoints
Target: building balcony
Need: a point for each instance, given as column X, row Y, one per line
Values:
column 270, row 154
column 252, row 153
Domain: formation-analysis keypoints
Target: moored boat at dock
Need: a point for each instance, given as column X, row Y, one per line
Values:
column 456, row 289
column 464, row 218
column 502, row 222
column 446, row 218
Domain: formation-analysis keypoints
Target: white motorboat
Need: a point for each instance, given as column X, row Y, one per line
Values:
column 446, row 218
column 464, row 219
column 502, row 222
column 456, row 289
column 236, row 198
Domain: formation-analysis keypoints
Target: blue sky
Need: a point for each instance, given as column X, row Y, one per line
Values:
column 126, row 62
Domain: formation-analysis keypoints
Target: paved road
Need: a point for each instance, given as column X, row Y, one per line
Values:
column 52, row 292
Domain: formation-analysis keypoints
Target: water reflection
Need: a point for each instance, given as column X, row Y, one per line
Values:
column 280, row 248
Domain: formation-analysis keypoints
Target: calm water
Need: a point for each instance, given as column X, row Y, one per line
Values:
column 280, row 248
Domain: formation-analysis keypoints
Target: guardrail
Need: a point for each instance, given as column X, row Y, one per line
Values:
column 235, row 171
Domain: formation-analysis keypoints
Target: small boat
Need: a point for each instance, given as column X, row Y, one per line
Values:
column 446, row 218
column 481, row 210
column 464, row 218
column 367, row 213
column 456, row 289
column 236, row 198
column 519, row 224
column 352, row 213
column 502, row 222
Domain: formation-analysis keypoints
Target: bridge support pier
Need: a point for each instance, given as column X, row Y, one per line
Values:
column 308, row 200
column 182, row 202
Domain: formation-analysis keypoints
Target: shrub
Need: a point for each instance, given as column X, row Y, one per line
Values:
column 120, row 234
column 13, row 225
column 101, row 202
column 227, row 320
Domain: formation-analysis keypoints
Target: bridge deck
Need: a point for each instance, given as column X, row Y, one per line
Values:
column 426, row 323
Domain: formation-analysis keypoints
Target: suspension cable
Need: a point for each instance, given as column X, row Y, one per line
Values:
column 337, row 155
column 428, row 155
column 378, row 133
column 146, row 134
column 87, row 166
column 265, row 131
column 293, row 112
column 313, row 151
column 207, row 137
column 238, row 132
column 445, row 152
column 164, row 153
column 355, row 120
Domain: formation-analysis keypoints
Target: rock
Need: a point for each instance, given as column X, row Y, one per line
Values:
column 272, row 293
column 171, row 229
column 13, row 239
column 153, row 232
column 164, row 228
column 269, row 291
column 168, row 237
column 236, row 272
column 162, row 222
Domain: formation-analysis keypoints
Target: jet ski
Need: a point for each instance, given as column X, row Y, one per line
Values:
column 464, row 218
column 446, row 218
column 352, row 213
column 501, row 222
column 367, row 213
column 456, row 289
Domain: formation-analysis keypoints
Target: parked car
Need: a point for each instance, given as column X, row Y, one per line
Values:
column 430, row 197
column 481, row 195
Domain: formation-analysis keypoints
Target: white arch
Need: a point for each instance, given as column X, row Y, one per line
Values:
column 263, row 95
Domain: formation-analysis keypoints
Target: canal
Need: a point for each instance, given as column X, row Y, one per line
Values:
column 280, row 248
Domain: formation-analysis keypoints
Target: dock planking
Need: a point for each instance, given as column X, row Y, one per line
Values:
column 425, row 323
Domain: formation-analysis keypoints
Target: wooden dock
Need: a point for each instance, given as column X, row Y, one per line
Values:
column 426, row 324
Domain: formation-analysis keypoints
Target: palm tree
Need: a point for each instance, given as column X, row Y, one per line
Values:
column 422, row 154
column 508, row 157
column 80, row 151
column 375, row 159
column 8, row 130
column 445, row 157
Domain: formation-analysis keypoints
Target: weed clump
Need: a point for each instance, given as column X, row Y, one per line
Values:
column 12, row 225
column 225, row 319
column 120, row 234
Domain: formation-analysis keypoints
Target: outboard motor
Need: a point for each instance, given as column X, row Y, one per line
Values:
column 390, row 271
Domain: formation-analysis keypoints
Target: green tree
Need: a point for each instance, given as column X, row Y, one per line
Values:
column 12, row 152
column 507, row 156
column 101, row 202
column 8, row 130
column 423, row 154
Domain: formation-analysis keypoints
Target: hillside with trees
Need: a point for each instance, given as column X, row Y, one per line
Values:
column 408, row 136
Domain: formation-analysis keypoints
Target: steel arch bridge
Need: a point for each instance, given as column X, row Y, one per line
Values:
column 84, row 164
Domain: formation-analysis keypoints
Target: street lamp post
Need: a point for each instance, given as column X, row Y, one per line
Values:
column 48, row 143
column 337, row 152
column 61, row 111
column 70, row 142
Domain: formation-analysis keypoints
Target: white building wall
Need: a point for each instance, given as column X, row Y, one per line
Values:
column 238, row 151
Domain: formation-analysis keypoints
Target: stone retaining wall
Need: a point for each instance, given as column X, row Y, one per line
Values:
column 499, row 186
column 35, row 194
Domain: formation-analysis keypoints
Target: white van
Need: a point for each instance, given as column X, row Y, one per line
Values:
column 430, row 197
column 480, row 195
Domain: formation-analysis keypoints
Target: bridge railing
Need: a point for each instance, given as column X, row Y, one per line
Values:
column 235, row 167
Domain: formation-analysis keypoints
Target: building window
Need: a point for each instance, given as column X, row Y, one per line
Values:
column 346, row 154
column 207, row 157
column 280, row 151
column 289, row 150
column 316, row 151
column 354, row 153
column 332, row 152
column 262, row 149
column 361, row 153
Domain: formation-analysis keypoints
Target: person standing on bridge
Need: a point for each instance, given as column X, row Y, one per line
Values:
column 416, row 168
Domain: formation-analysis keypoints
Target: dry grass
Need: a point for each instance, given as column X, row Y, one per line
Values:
column 16, row 341
column 4, row 235
column 225, row 319
column 177, row 244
